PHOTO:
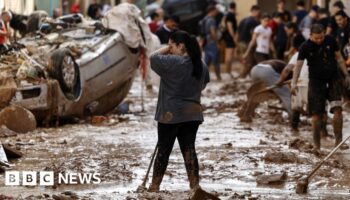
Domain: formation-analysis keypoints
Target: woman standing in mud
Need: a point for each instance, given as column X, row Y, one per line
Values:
column 179, row 112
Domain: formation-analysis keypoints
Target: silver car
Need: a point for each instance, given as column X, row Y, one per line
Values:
column 92, row 83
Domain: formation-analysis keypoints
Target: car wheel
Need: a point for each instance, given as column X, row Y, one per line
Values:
column 65, row 70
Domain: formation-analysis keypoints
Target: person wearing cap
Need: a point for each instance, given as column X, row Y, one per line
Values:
column 306, row 23
column 170, row 25
column 332, row 28
column 4, row 33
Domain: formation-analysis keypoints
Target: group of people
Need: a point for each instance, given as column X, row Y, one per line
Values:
column 309, row 46
column 312, row 49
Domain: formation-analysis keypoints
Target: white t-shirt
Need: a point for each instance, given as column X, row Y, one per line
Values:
column 304, row 74
column 263, row 39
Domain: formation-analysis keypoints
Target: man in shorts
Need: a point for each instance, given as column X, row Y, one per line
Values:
column 323, row 56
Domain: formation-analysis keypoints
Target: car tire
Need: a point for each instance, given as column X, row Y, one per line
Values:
column 65, row 70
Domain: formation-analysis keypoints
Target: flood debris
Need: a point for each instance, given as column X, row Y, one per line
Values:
column 272, row 178
column 200, row 194
column 280, row 157
column 246, row 195
column 11, row 152
column 7, row 89
column 9, row 117
column 4, row 197
column 301, row 145
column 98, row 120
column 5, row 132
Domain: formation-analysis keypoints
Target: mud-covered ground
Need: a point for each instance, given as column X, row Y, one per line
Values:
column 232, row 155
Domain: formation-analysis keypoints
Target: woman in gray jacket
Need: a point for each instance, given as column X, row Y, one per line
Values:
column 179, row 112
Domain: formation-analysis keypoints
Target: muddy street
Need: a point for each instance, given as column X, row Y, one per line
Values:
column 258, row 160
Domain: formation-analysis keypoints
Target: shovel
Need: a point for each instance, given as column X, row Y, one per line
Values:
column 303, row 182
column 142, row 187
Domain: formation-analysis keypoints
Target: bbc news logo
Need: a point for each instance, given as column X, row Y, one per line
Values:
column 46, row 178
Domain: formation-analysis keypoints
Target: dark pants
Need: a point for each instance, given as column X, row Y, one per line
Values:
column 186, row 135
column 3, row 48
column 280, row 49
column 259, row 57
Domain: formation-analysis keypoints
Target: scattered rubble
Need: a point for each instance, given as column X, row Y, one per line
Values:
column 272, row 178
column 9, row 117
column 280, row 157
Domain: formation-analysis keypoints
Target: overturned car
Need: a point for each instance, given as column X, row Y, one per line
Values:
column 85, row 68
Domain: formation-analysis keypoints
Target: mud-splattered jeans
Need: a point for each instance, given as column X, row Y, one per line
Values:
column 186, row 135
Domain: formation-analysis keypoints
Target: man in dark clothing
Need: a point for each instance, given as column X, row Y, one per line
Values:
column 94, row 11
column 295, row 38
column 323, row 17
column 332, row 28
column 343, row 36
column 170, row 25
column 247, row 25
column 323, row 56
column 245, row 32
column 229, row 36
column 300, row 13
column 343, row 32
column 281, row 38
column 286, row 16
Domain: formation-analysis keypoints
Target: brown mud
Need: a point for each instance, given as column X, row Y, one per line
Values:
column 232, row 155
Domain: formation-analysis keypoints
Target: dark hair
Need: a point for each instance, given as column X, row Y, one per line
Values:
column 193, row 50
column 301, row 3
column 315, row 8
column 323, row 11
column 278, row 15
column 265, row 16
column 172, row 17
column 154, row 15
column 339, row 4
column 233, row 5
column 341, row 13
column 292, row 25
column 255, row 8
column 281, row 1
column 317, row 28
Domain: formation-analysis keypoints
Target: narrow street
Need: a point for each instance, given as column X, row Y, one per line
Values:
column 231, row 154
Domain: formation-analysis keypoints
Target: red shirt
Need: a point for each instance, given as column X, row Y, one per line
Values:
column 75, row 8
column 273, row 25
column 153, row 26
column 3, row 38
